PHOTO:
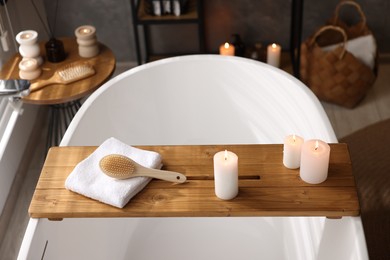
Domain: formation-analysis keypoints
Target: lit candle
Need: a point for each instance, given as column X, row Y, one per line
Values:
column 226, row 49
column 273, row 54
column 87, row 42
column 28, row 64
column 292, row 151
column 29, row 47
column 29, row 69
column 85, row 32
column 314, row 161
column 27, row 37
column 226, row 175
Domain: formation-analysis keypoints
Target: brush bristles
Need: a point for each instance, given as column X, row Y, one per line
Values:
column 117, row 166
column 73, row 72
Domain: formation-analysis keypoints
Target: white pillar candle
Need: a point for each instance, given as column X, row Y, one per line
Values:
column 273, row 54
column 314, row 161
column 226, row 49
column 292, row 151
column 226, row 175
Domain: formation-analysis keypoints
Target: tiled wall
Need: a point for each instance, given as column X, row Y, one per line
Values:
column 255, row 20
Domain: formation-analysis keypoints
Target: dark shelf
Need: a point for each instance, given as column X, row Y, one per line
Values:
column 190, row 16
column 193, row 15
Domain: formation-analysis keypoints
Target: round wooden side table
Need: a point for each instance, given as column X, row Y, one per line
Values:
column 64, row 100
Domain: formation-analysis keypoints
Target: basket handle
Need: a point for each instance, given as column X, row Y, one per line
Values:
column 335, row 28
column 352, row 3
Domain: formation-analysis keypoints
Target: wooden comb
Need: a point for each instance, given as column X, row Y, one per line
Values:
column 121, row 167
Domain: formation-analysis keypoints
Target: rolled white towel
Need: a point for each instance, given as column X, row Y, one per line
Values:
column 88, row 179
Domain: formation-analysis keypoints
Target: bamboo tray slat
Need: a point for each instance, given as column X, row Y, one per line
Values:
column 266, row 187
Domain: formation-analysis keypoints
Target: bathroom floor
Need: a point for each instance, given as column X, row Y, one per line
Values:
column 375, row 107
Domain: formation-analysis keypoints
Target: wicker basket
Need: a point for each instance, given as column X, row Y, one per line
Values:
column 334, row 76
column 356, row 30
column 353, row 31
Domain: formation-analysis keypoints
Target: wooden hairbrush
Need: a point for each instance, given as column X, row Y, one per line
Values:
column 121, row 167
column 65, row 75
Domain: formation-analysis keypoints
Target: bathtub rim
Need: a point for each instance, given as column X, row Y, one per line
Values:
column 202, row 57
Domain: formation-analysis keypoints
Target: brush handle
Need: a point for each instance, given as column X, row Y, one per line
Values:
column 41, row 84
column 122, row 167
column 159, row 174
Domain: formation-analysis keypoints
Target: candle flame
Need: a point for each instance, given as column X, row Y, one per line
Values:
column 26, row 36
column 85, row 30
column 226, row 155
column 227, row 45
column 273, row 45
column 294, row 138
column 28, row 62
column 316, row 147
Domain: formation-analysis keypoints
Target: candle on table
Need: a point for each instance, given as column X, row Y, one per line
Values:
column 29, row 69
column 28, row 64
column 226, row 49
column 29, row 47
column 292, row 151
column 86, row 39
column 273, row 54
column 314, row 161
column 28, row 37
column 226, row 175
column 85, row 32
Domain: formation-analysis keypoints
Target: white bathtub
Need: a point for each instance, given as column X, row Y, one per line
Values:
column 202, row 99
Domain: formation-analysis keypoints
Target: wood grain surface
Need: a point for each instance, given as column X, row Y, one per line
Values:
column 103, row 63
column 266, row 187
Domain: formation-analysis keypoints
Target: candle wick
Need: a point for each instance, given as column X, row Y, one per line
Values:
column 226, row 155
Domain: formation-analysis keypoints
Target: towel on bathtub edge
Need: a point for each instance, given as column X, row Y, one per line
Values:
column 89, row 180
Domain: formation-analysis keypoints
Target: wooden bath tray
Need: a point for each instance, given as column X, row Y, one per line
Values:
column 266, row 187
